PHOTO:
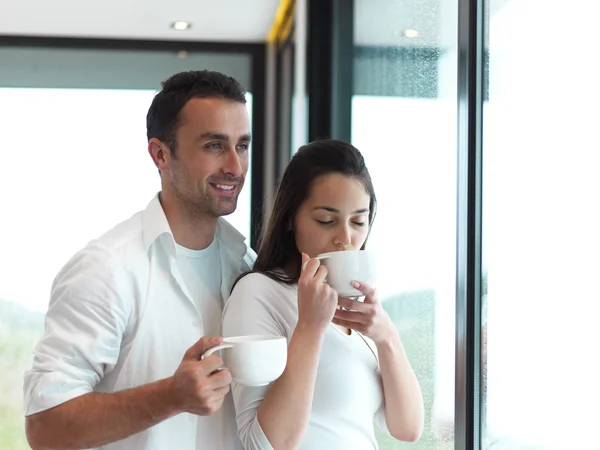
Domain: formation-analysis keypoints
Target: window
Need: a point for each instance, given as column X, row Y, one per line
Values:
column 75, row 164
column 540, row 227
column 404, row 123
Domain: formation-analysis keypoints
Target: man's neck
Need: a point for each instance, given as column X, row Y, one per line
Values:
column 189, row 230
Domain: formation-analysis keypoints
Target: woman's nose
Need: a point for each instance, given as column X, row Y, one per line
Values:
column 343, row 238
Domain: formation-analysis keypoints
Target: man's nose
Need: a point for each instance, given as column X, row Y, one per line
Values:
column 233, row 165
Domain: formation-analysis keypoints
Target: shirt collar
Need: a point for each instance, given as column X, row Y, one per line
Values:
column 155, row 224
column 229, row 235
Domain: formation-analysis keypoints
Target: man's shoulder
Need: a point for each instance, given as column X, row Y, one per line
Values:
column 104, row 260
column 126, row 235
column 115, row 249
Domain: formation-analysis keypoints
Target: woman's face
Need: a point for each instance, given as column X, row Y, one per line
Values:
column 334, row 217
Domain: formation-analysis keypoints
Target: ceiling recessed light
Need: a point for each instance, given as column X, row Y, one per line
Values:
column 182, row 54
column 180, row 25
column 409, row 33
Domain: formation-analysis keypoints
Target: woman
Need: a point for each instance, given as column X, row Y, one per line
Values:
column 346, row 369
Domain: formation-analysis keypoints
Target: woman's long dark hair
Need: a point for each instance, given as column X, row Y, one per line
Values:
column 277, row 247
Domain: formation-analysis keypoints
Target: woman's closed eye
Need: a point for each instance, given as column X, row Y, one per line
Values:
column 329, row 222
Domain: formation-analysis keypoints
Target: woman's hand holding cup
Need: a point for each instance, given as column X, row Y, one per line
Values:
column 317, row 301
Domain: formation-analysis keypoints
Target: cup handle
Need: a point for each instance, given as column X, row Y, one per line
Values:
column 316, row 257
column 215, row 349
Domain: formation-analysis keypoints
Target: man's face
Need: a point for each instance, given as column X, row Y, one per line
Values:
column 210, row 162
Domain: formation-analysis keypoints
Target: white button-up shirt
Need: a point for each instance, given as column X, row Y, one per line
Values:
column 120, row 316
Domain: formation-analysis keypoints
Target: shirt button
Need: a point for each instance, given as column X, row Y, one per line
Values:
column 196, row 323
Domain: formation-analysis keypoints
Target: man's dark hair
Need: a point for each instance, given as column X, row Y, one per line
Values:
column 162, row 120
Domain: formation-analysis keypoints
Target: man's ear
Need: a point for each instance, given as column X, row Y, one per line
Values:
column 160, row 154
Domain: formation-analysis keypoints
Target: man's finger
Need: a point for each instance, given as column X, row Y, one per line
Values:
column 220, row 379
column 210, row 364
column 222, row 391
column 202, row 346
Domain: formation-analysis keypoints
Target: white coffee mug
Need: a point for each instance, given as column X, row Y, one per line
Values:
column 253, row 360
column 344, row 267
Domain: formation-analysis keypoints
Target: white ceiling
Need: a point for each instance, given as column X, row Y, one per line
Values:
column 212, row 20
column 377, row 22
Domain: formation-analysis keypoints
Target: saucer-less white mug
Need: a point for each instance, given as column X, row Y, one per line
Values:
column 253, row 360
column 343, row 267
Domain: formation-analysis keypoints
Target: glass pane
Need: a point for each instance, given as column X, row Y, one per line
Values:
column 541, row 225
column 75, row 165
column 404, row 122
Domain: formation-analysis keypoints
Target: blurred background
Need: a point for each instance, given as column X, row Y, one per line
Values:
column 504, row 354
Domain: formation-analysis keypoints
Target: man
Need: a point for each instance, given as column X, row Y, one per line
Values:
column 119, row 365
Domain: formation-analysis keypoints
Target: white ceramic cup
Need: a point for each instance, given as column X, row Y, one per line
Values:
column 344, row 267
column 253, row 360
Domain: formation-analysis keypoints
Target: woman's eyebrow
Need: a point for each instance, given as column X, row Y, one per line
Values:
column 333, row 210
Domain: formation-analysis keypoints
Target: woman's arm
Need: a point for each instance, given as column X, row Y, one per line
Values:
column 401, row 390
column 403, row 399
column 277, row 417
column 285, row 411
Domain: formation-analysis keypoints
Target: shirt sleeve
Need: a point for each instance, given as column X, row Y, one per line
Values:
column 84, row 325
column 380, row 421
column 251, row 309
